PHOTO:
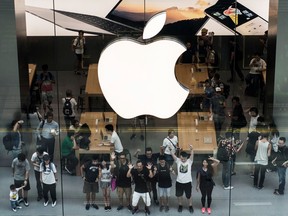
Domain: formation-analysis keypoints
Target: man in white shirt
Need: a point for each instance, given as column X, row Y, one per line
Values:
column 184, row 178
column 115, row 140
column 255, row 77
column 171, row 141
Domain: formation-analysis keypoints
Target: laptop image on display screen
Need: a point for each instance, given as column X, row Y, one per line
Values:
column 88, row 23
column 120, row 17
column 105, row 138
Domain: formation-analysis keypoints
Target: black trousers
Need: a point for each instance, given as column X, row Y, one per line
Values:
column 262, row 169
column 49, row 188
column 71, row 161
column 38, row 183
column 206, row 191
column 49, row 146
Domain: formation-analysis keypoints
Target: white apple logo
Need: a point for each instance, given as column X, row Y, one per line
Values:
column 138, row 78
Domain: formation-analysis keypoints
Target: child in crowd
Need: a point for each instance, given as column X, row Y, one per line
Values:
column 14, row 196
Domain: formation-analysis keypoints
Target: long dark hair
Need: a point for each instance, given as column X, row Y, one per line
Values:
column 210, row 169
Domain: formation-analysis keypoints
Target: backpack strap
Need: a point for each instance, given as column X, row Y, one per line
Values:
column 172, row 143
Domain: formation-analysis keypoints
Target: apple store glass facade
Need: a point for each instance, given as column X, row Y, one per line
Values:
column 227, row 29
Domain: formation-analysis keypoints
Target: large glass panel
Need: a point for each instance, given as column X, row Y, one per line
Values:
column 221, row 38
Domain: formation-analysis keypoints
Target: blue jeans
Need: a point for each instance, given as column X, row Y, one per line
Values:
column 282, row 175
column 14, row 203
column 226, row 172
column 218, row 122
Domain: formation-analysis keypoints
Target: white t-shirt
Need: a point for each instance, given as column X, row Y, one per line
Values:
column 73, row 104
column 48, row 176
column 167, row 144
column 184, row 171
column 253, row 123
column 37, row 159
column 261, row 65
column 115, row 140
column 79, row 45
column 14, row 195
column 106, row 174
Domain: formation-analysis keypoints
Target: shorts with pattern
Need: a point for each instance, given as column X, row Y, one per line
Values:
column 104, row 185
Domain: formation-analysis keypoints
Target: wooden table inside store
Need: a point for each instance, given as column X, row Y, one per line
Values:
column 96, row 122
column 183, row 74
column 195, row 128
column 32, row 71
column 190, row 75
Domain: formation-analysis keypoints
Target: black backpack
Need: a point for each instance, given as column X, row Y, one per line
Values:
column 222, row 153
column 7, row 142
column 67, row 108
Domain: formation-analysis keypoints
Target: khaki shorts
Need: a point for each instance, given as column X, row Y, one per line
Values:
column 90, row 187
column 121, row 191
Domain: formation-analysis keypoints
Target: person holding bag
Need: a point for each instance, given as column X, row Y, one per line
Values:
column 170, row 142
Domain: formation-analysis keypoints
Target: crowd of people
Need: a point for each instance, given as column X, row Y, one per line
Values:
column 150, row 177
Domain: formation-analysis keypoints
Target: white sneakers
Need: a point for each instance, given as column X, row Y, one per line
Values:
column 228, row 188
column 46, row 203
column 53, row 203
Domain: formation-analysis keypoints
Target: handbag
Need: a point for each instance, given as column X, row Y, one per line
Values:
column 113, row 183
column 178, row 150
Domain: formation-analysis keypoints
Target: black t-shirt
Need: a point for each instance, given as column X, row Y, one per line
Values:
column 187, row 55
column 140, row 179
column 91, row 171
column 153, row 160
column 145, row 160
column 252, row 138
column 282, row 155
column 163, row 176
column 205, row 178
column 121, row 176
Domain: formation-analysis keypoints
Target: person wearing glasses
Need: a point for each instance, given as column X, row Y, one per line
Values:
column 149, row 157
column 120, row 169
